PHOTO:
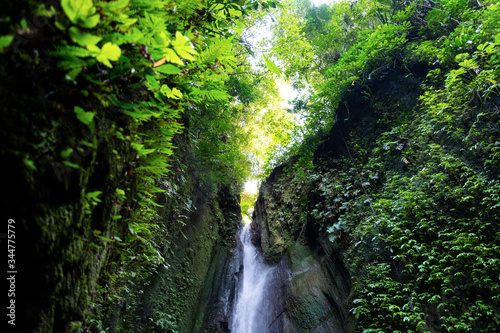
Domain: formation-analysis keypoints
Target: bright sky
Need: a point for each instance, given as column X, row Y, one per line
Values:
column 251, row 186
column 285, row 90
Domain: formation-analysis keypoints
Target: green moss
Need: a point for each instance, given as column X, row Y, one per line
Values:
column 301, row 258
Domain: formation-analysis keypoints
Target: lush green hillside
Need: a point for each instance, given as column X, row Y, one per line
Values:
column 400, row 163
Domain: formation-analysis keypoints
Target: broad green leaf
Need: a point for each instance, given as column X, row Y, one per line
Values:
column 81, row 12
column 161, row 40
column 153, row 81
column 183, row 47
column 239, row 27
column 94, row 49
column 5, row 42
column 29, row 163
column 234, row 12
column 114, row 5
column 171, row 56
column 165, row 90
column 108, row 52
column 90, row 22
column 82, row 38
column 168, row 69
column 176, row 93
column 85, row 117
column 218, row 6
column 171, row 93
column 272, row 67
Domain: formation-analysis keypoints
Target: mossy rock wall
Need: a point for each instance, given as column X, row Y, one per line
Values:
column 386, row 222
column 318, row 279
column 310, row 286
column 185, row 294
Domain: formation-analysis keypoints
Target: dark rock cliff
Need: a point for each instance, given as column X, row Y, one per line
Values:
column 195, row 290
column 310, row 285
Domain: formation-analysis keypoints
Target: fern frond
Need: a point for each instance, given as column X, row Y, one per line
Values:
column 214, row 51
column 119, row 71
column 68, row 51
column 211, row 95
column 71, row 64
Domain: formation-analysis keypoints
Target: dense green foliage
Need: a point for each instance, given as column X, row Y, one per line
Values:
column 414, row 199
column 114, row 114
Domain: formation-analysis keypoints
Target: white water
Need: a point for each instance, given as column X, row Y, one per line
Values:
column 249, row 316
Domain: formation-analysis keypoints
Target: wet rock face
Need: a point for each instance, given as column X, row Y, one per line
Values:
column 307, row 293
column 221, row 287
column 309, row 288
column 220, row 327
column 255, row 235
column 276, row 296
column 318, row 287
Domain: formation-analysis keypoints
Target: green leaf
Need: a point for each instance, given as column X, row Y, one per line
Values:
column 167, row 132
column 90, row 22
column 218, row 6
column 81, row 12
column 65, row 153
column 171, row 56
column 82, row 38
column 235, row 12
column 109, row 52
column 153, row 81
column 94, row 195
column 183, row 47
column 71, row 165
column 120, row 192
column 168, row 69
column 62, row 23
column 137, row 146
column 29, row 163
column 171, row 93
column 5, row 42
column 272, row 67
column 176, row 93
column 106, row 239
column 85, row 117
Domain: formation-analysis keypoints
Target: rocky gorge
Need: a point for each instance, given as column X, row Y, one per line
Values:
column 129, row 128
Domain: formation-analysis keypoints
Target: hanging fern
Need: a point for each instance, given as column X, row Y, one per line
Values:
column 70, row 52
column 214, row 51
column 211, row 95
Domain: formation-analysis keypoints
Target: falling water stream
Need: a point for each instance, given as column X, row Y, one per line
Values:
column 249, row 314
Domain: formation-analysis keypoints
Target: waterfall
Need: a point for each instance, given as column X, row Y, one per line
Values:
column 249, row 314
